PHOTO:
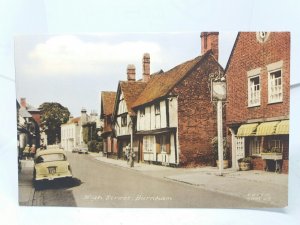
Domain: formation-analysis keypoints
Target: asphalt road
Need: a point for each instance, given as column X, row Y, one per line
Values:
column 98, row 184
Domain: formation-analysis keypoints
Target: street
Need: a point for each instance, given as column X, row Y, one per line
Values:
column 98, row 184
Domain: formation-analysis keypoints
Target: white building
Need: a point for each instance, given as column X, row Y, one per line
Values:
column 71, row 133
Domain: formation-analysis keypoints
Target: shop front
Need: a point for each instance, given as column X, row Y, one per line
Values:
column 267, row 144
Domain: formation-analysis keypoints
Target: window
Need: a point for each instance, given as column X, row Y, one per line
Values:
column 275, row 86
column 157, row 109
column 142, row 112
column 163, row 143
column 255, row 146
column 253, row 91
column 124, row 121
column 148, row 143
column 275, row 146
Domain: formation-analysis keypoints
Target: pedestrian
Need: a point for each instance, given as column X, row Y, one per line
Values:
column 26, row 151
column 32, row 151
column 132, row 157
column 127, row 152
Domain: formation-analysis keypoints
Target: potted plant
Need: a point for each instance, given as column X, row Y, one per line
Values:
column 214, row 143
column 244, row 163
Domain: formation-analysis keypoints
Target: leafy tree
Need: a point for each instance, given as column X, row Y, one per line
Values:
column 53, row 115
column 89, row 132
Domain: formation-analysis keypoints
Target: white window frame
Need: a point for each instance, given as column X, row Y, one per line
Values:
column 272, row 68
column 254, row 95
column 254, row 146
column 148, row 143
column 275, row 90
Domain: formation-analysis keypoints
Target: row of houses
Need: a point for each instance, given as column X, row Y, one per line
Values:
column 72, row 131
column 28, row 125
column 170, row 119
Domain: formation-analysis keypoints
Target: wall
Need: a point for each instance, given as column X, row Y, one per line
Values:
column 197, row 123
column 249, row 54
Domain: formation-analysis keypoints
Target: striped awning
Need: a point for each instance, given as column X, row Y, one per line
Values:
column 283, row 127
column 247, row 130
column 267, row 128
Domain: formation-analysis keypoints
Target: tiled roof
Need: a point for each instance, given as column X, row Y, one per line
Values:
column 131, row 91
column 24, row 113
column 73, row 120
column 108, row 102
column 161, row 84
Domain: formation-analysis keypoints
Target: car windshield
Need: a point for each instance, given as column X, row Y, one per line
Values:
column 51, row 158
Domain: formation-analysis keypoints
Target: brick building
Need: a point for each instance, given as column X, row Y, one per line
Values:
column 257, row 111
column 176, row 119
column 123, row 114
column 107, row 107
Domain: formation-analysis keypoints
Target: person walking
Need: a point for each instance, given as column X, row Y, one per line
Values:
column 26, row 151
column 32, row 151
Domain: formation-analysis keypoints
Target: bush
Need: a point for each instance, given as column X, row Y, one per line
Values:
column 214, row 143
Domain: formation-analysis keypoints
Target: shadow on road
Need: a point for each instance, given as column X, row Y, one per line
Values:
column 57, row 184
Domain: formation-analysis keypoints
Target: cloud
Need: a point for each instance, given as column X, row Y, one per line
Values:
column 71, row 55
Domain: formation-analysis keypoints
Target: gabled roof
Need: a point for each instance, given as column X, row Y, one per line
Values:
column 161, row 84
column 131, row 91
column 107, row 102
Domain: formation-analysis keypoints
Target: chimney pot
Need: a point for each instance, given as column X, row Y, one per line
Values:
column 210, row 41
column 146, row 67
column 23, row 102
column 131, row 72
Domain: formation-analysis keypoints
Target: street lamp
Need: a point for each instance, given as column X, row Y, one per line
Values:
column 218, row 94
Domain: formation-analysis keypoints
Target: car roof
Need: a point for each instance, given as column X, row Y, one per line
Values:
column 50, row 151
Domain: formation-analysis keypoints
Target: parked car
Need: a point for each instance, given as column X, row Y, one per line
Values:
column 83, row 150
column 51, row 164
column 75, row 150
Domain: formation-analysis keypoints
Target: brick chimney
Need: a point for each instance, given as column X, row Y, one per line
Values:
column 131, row 72
column 210, row 41
column 146, row 67
column 23, row 102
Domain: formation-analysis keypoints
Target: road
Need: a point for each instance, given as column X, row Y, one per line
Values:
column 98, row 184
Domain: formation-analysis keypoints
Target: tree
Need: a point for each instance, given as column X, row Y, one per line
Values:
column 53, row 115
column 89, row 132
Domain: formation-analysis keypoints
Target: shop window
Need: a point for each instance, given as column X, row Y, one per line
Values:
column 254, row 146
column 275, row 146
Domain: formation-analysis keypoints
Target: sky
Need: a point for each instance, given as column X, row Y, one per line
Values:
column 27, row 25
column 73, row 69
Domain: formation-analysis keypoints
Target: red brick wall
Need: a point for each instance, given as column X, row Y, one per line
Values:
column 197, row 123
column 250, row 54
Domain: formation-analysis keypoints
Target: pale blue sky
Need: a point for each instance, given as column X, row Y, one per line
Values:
column 73, row 69
column 56, row 17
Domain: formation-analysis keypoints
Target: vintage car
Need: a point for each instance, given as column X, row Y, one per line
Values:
column 83, row 150
column 51, row 164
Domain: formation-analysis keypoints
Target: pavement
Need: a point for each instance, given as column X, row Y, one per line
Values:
column 26, row 190
column 253, row 185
